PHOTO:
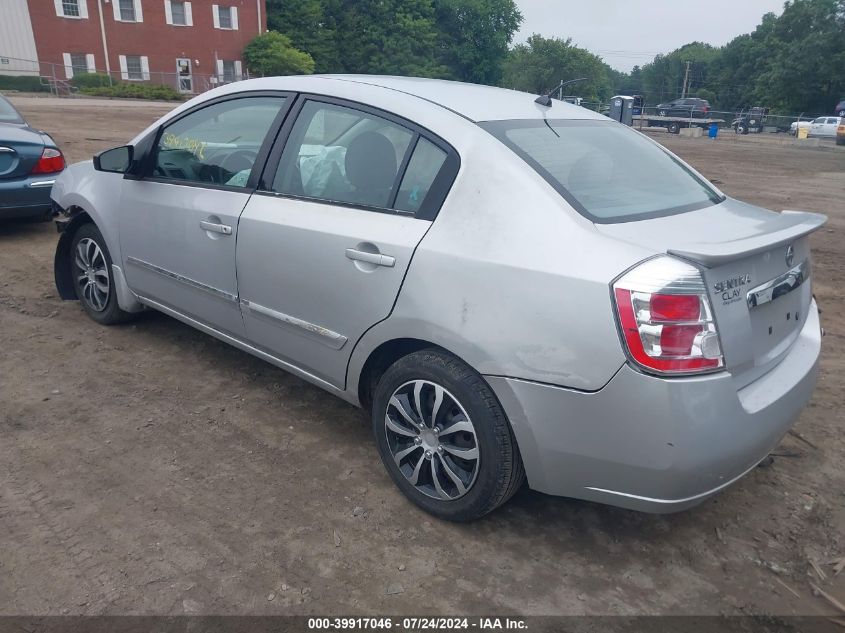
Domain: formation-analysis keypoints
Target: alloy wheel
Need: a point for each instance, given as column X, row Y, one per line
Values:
column 432, row 440
column 92, row 275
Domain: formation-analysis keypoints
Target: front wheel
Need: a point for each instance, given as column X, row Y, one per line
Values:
column 444, row 438
column 92, row 276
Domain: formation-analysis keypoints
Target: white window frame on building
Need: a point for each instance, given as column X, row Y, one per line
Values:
column 72, row 68
column 224, row 75
column 137, row 10
column 170, row 15
column 216, row 12
column 130, row 75
column 62, row 6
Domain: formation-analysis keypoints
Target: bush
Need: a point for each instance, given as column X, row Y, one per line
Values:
column 24, row 83
column 272, row 53
column 133, row 91
column 91, row 80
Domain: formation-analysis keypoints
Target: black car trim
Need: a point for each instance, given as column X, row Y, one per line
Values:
column 437, row 193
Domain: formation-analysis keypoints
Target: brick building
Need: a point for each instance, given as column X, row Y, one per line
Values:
column 189, row 45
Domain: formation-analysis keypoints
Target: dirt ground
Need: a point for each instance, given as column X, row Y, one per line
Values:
column 149, row 468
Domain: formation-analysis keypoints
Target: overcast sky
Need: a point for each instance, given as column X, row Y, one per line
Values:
column 626, row 33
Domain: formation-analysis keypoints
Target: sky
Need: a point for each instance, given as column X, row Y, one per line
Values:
column 626, row 33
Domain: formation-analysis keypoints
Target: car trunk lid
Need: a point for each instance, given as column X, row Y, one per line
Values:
column 20, row 149
column 756, row 265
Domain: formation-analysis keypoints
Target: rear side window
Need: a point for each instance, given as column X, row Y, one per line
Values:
column 426, row 162
column 344, row 155
column 606, row 171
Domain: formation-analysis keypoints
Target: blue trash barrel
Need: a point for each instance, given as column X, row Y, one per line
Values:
column 714, row 130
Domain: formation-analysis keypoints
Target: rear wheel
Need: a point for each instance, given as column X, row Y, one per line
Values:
column 444, row 438
column 92, row 276
column 674, row 127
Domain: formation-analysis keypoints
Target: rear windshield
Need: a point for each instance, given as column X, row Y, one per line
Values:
column 607, row 171
column 8, row 114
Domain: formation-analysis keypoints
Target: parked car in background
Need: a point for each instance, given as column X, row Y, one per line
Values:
column 691, row 107
column 840, row 133
column 797, row 125
column 509, row 289
column 825, row 126
column 29, row 163
column 840, row 108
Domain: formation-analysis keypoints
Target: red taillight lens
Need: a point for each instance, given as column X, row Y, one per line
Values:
column 50, row 162
column 665, row 317
column 675, row 307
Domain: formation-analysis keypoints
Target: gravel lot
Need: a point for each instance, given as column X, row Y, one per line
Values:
column 149, row 468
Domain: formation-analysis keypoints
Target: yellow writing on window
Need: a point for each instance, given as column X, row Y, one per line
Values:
column 193, row 145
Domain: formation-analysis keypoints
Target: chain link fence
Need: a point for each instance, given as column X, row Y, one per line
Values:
column 134, row 78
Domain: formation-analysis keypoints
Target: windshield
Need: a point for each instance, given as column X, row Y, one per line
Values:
column 8, row 114
column 607, row 171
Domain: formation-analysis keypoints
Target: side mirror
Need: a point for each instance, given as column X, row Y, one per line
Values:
column 116, row 160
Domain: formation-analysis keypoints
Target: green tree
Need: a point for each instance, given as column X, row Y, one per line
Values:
column 791, row 63
column 304, row 22
column 390, row 37
column 474, row 37
column 806, row 71
column 272, row 53
column 541, row 63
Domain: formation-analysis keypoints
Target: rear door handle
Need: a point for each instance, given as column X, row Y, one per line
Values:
column 371, row 258
column 223, row 229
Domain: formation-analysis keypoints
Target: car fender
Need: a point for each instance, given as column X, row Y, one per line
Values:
column 83, row 195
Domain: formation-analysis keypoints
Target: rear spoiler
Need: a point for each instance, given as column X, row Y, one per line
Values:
column 790, row 226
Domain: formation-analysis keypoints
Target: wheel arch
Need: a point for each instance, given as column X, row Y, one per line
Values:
column 61, row 261
column 380, row 359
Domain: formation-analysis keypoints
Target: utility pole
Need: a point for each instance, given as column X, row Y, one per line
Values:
column 686, row 81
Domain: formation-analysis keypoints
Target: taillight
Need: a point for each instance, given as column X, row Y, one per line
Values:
column 666, row 320
column 50, row 162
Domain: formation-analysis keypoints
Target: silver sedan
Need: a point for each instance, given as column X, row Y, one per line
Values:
column 516, row 289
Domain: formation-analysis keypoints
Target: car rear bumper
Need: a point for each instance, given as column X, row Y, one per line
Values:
column 27, row 198
column 653, row 444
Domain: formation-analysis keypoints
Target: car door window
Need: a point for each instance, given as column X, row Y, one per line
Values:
column 217, row 145
column 426, row 162
column 340, row 154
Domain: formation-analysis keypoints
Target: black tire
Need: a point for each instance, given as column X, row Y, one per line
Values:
column 110, row 312
column 500, row 472
column 742, row 129
column 674, row 127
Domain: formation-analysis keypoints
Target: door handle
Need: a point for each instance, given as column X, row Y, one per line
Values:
column 371, row 258
column 223, row 229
